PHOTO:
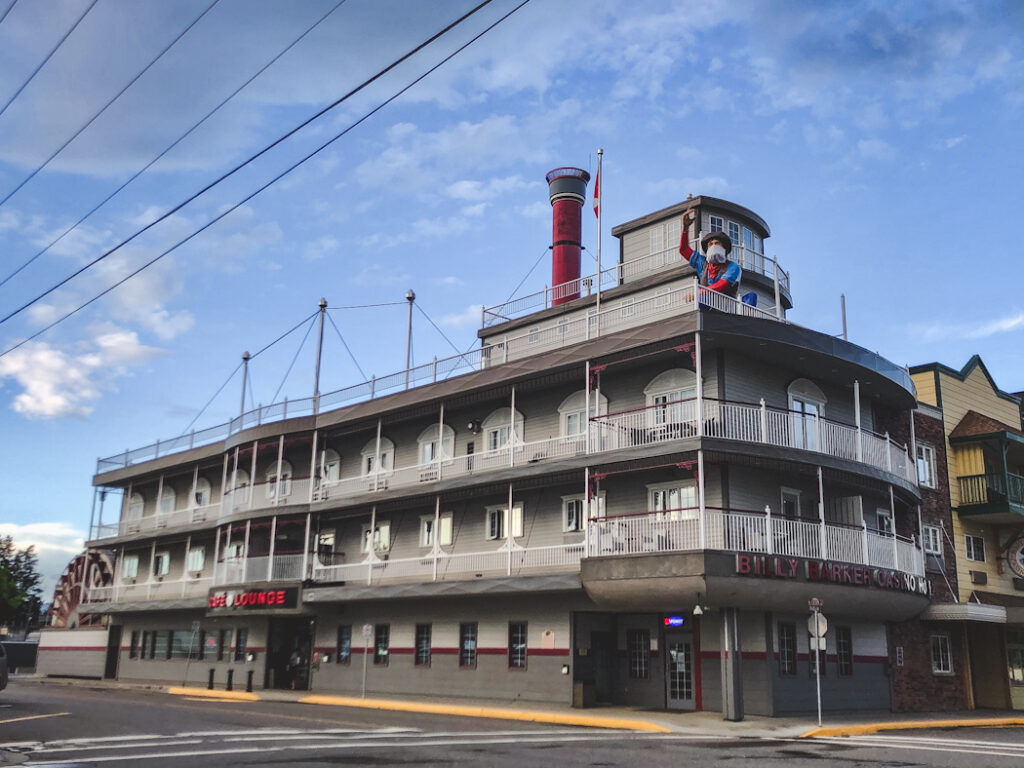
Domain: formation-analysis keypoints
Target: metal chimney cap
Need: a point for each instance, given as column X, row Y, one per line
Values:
column 561, row 173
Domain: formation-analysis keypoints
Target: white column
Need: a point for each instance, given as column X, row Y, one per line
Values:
column 698, row 365
column 312, row 467
column 252, row 474
column 376, row 469
column 512, row 436
column 856, row 415
column 769, row 536
column 586, row 402
column 152, row 560
column 913, row 449
column 508, row 530
column 160, row 495
column 892, row 516
column 371, row 546
column 216, row 555
column 821, row 515
column 436, row 548
column 586, row 511
column 184, row 566
column 273, row 541
column 305, row 546
column 778, row 297
column 245, row 551
column 764, row 422
column 280, row 463
column 440, row 442
column 700, row 498
column 195, row 484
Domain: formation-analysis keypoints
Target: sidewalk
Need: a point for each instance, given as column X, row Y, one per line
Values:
column 618, row 717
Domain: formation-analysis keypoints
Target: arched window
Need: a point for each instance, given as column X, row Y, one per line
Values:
column 807, row 402
column 430, row 449
column 280, row 489
column 330, row 466
column 168, row 497
column 671, row 396
column 135, row 506
column 203, row 492
column 496, row 429
column 571, row 413
column 241, row 479
column 369, row 456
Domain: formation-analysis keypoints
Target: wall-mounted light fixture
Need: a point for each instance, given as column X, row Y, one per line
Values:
column 474, row 427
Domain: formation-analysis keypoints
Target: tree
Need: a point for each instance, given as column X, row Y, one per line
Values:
column 20, row 595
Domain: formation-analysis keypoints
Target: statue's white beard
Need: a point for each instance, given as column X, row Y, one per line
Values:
column 716, row 254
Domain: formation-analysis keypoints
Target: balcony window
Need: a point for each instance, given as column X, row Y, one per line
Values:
column 161, row 563
column 975, row 546
column 379, row 538
column 790, row 506
column 369, row 454
column 883, row 518
column 203, row 492
column 670, row 395
column 497, row 522
column 807, row 402
column 279, row 488
column 443, row 534
column 136, row 503
column 330, row 466
column 432, row 449
column 196, row 559
column 130, row 567
column 573, row 412
column 673, row 501
column 500, row 426
column 925, row 466
column 168, row 497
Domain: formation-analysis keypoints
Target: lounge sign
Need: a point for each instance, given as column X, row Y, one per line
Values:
column 826, row 571
column 253, row 599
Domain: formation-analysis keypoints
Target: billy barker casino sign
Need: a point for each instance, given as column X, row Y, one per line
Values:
column 828, row 572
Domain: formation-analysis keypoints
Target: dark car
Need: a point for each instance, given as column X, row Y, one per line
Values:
column 3, row 667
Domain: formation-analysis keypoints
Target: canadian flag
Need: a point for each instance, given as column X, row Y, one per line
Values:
column 597, row 192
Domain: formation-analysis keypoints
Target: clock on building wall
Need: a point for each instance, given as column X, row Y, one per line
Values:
column 1015, row 557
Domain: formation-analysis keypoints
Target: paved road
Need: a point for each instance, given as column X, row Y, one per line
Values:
column 82, row 726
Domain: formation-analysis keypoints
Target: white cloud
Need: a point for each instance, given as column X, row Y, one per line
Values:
column 875, row 149
column 943, row 331
column 468, row 318
column 321, row 247
column 537, row 210
column 952, row 142
column 56, row 544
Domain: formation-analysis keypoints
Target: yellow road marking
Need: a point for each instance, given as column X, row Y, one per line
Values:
column 202, row 693
column 858, row 730
column 32, row 717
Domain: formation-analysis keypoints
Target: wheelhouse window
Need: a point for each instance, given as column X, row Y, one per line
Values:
column 467, row 645
column 975, row 548
column 497, row 522
column 436, row 444
column 664, row 242
column 925, row 466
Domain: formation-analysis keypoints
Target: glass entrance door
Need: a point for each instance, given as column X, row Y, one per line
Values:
column 679, row 670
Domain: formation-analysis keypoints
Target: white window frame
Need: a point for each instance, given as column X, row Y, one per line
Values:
column 496, row 522
column 445, row 529
column 168, row 500
column 942, row 663
column 926, row 461
column 972, row 542
column 136, row 504
column 660, row 495
column 884, row 522
column 800, row 394
column 203, row 493
column 428, row 448
column 495, row 429
column 241, row 479
column 369, row 454
column 330, row 466
column 572, row 412
column 627, row 307
column 663, row 242
column 797, row 496
column 676, row 385
column 286, row 480
column 130, row 567
column 596, row 510
column 381, row 537
column 161, row 563
column 195, row 560
column 931, row 540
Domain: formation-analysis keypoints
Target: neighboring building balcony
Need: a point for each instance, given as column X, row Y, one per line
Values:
column 761, row 533
column 150, row 591
column 994, row 496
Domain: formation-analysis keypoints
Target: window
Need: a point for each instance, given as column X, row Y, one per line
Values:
column 467, row 645
column 241, row 479
column 422, row 657
column 790, row 502
column 167, row 499
column 517, row 645
column 369, row 456
column 147, row 645
column 497, row 522
column 430, row 450
column 276, row 489
column 130, row 567
column 1015, row 656
column 196, row 559
column 807, row 402
column 716, row 224
column 787, row 649
column 161, row 645
column 883, row 518
column 975, row 548
column 844, row 651
column 330, row 466
column 444, row 533
column 380, row 538
column 670, row 397
column 572, row 513
column 942, row 659
column 224, row 644
column 638, row 645
column 241, row 642
column 133, row 646
column 381, row 636
column 673, row 501
column 180, row 644
column 734, row 234
column 664, row 243
column 931, row 539
column 203, row 492
column 344, row 644
column 628, row 307
column 161, row 563
column 135, row 506
column 925, row 465
column 496, row 428
column 573, row 412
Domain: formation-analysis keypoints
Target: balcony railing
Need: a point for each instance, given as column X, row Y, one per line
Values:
column 991, row 488
column 149, row 590
column 758, row 533
column 616, row 275
column 439, row 565
column 162, row 520
column 241, row 570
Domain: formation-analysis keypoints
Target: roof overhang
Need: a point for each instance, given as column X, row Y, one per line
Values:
column 992, row 614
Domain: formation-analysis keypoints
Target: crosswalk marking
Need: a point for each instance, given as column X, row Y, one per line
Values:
column 926, row 744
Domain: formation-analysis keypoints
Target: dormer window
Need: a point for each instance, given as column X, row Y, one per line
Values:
column 369, row 457
column 279, row 487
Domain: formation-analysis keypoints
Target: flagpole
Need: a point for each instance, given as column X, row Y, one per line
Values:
column 598, row 207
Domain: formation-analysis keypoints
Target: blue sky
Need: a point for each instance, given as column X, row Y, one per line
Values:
column 881, row 141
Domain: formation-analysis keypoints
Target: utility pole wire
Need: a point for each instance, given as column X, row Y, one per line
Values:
column 176, row 142
column 106, row 106
column 249, row 197
column 48, row 56
column 243, row 164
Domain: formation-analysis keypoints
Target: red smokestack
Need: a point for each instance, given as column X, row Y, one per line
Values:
column 567, row 188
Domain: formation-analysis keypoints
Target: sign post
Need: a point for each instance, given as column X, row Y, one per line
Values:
column 367, row 632
column 817, row 626
column 191, row 646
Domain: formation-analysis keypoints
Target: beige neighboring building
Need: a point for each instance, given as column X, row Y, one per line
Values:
column 985, row 451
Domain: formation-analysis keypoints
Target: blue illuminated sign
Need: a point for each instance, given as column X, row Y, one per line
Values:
column 674, row 621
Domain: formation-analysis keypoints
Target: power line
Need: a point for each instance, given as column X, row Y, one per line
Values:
column 252, row 158
column 176, row 142
column 106, row 106
column 48, row 56
column 246, row 199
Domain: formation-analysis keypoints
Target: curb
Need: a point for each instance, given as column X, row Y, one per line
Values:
column 204, row 693
column 488, row 712
column 858, row 730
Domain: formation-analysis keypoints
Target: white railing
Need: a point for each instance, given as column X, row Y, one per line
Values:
column 738, row 531
column 241, row 570
column 443, row 566
column 616, row 275
column 160, row 521
column 150, row 590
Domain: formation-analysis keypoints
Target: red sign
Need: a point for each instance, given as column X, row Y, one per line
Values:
column 254, row 599
column 830, row 572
